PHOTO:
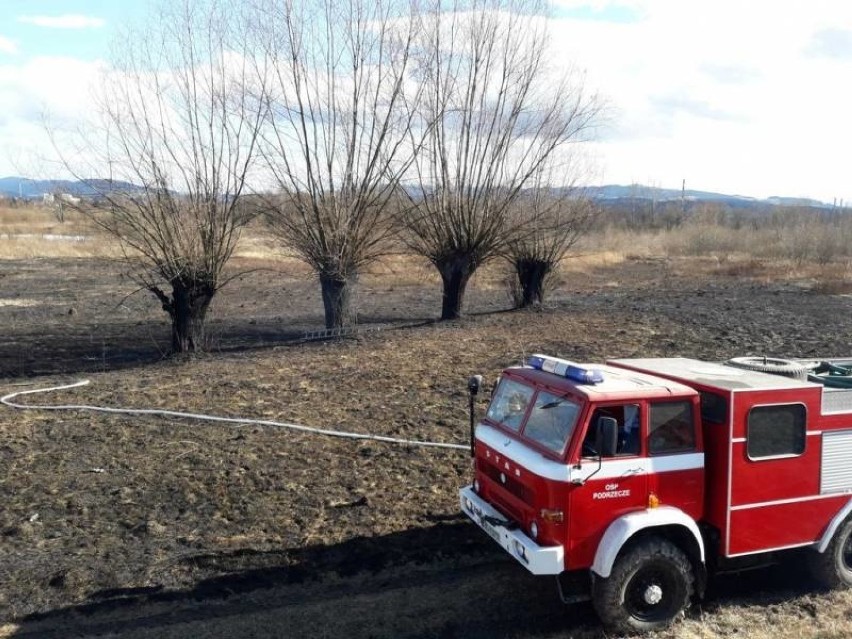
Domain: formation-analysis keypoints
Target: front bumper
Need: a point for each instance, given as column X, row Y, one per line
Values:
column 539, row 560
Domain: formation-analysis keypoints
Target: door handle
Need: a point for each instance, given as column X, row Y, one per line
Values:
column 633, row 471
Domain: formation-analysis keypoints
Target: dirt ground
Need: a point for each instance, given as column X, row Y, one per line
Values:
column 148, row 527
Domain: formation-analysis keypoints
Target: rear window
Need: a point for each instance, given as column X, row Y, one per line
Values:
column 509, row 404
column 551, row 422
column 776, row 431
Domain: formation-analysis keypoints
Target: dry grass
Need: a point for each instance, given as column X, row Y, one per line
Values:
column 799, row 240
column 813, row 616
column 41, row 220
column 252, row 502
column 834, row 284
column 20, row 303
column 782, row 249
column 258, row 244
column 172, row 488
column 27, row 248
column 35, row 232
column 816, row 253
column 584, row 263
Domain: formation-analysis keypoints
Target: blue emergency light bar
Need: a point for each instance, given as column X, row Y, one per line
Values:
column 566, row 369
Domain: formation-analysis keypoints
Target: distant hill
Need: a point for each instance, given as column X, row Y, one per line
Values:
column 648, row 193
column 611, row 194
column 35, row 189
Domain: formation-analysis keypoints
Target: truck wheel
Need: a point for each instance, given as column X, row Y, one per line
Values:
column 650, row 585
column 833, row 568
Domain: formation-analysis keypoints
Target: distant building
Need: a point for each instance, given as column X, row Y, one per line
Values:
column 49, row 199
column 67, row 198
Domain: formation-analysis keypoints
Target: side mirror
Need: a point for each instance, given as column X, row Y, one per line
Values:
column 607, row 436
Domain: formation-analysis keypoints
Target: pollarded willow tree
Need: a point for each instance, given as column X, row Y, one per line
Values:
column 547, row 219
column 177, row 134
column 498, row 113
column 337, row 139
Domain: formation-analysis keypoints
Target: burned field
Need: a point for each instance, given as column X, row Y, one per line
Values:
column 143, row 526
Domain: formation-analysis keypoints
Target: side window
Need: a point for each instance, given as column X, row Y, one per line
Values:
column 629, row 431
column 671, row 428
column 714, row 408
column 775, row 431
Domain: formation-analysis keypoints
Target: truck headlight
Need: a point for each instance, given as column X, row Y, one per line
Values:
column 476, row 486
column 534, row 530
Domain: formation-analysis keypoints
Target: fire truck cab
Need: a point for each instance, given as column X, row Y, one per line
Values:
column 642, row 476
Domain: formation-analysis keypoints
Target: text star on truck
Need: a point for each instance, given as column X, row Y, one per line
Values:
column 635, row 480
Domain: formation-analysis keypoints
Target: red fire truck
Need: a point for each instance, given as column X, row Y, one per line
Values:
column 641, row 477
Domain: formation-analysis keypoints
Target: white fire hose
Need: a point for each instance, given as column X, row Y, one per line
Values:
column 239, row 421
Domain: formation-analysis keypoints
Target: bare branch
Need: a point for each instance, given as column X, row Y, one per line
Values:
column 499, row 115
column 338, row 139
column 177, row 134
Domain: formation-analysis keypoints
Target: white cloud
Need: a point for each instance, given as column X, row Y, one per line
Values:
column 60, row 84
column 8, row 46
column 622, row 11
column 833, row 43
column 57, row 88
column 726, row 94
column 66, row 21
column 738, row 97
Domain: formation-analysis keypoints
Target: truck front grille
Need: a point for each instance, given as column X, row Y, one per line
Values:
column 511, row 484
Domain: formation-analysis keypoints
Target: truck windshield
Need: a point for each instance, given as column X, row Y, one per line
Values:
column 551, row 422
column 509, row 404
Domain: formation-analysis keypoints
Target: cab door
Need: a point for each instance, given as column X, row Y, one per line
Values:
column 612, row 486
column 675, row 455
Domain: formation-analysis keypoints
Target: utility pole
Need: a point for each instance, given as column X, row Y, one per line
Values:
column 683, row 198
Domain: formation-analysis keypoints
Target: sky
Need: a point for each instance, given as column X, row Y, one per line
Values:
column 740, row 97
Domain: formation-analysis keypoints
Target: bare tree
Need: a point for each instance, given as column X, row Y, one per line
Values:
column 337, row 137
column 547, row 223
column 177, row 134
column 499, row 113
column 60, row 201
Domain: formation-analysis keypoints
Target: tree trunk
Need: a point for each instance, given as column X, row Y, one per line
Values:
column 337, row 300
column 187, row 308
column 455, row 274
column 531, row 273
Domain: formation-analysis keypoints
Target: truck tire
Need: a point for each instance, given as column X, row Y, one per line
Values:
column 649, row 587
column 774, row 366
column 833, row 568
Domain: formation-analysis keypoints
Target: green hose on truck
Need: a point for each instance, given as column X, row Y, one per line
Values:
column 832, row 374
